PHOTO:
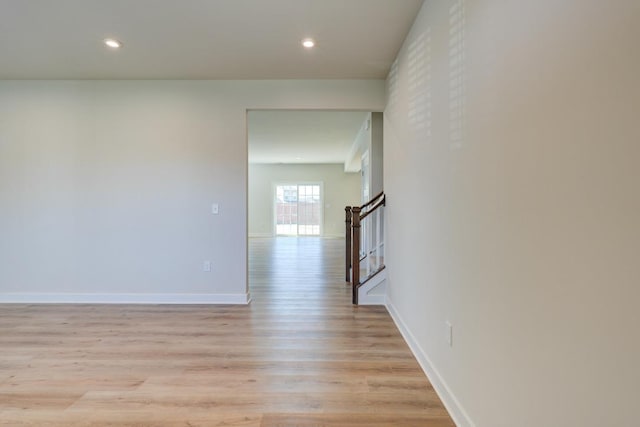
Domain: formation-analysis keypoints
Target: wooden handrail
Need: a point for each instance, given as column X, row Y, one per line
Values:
column 372, row 201
column 347, row 254
column 376, row 206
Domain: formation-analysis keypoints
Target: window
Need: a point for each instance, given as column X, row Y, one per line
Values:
column 298, row 209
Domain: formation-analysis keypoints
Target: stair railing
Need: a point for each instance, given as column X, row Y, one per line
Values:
column 364, row 248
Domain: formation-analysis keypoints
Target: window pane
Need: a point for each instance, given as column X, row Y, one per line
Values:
column 298, row 209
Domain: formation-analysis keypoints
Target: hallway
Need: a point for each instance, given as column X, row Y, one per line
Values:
column 349, row 364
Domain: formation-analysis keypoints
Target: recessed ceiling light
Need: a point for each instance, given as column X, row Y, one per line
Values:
column 112, row 43
column 308, row 43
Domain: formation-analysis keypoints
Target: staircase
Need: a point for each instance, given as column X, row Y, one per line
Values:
column 372, row 291
column 364, row 254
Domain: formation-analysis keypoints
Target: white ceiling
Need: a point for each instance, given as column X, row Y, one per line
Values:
column 302, row 136
column 201, row 39
column 216, row 39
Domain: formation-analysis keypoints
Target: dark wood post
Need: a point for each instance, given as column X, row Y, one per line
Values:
column 347, row 252
column 355, row 250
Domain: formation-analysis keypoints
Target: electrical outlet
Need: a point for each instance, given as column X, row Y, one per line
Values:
column 215, row 209
column 449, row 333
column 206, row 266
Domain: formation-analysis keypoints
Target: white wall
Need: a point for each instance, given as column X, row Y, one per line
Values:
column 353, row 162
column 369, row 139
column 376, row 154
column 106, row 186
column 340, row 189
column 524, row 229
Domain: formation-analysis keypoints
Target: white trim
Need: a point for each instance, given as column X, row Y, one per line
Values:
column 371, row 299
column 332, row 236
column 377, row 282
column 65, row 298
column 260, row 235
column 451, row 403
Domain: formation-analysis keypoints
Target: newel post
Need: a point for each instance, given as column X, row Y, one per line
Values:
column 347, row 238
column 355, row 251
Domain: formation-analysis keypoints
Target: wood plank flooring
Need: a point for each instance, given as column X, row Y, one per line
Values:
column 299, row 355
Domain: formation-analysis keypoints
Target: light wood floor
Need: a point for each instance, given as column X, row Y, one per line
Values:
column 299, row 355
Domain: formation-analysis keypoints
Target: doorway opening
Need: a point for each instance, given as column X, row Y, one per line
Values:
column 304, row 167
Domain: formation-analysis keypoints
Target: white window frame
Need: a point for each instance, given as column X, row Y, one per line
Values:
column 274, row 222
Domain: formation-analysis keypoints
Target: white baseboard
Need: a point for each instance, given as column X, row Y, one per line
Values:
column 259, row 235
column 371, row 300
column 64, row 298
column 333, row 236
column 263, row 235
column 459, row 415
